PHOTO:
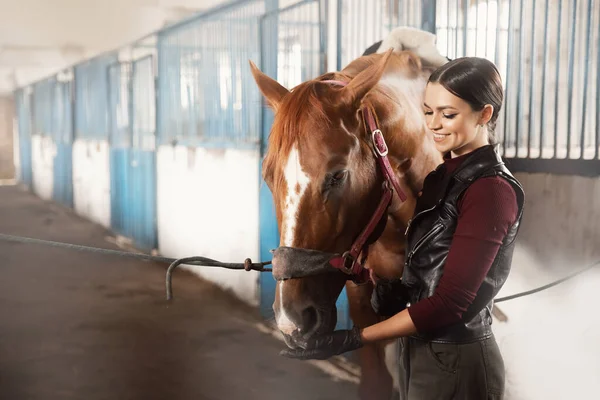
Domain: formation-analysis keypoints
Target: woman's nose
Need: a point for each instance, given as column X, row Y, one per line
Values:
column 435, row 123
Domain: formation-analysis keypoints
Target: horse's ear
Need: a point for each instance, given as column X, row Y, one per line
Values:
column 365, row 81
column 269, row 87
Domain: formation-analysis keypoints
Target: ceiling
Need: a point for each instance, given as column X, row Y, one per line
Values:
column 40, row 37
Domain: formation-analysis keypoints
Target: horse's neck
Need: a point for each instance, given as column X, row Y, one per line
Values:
column 412, row 151
column 387, row 253
column 423, row 161
column 413, row 155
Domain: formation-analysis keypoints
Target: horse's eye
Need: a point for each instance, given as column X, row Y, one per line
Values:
column 340, row 174
column 338, row 177
column 333, row 181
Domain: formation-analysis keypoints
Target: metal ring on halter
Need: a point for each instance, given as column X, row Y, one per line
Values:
column 345, row 268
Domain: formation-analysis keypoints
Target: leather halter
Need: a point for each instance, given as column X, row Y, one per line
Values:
column 298, row 263
column 349, row 262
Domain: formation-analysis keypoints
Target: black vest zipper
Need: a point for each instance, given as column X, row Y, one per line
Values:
column 410, row 221
column 434, row 231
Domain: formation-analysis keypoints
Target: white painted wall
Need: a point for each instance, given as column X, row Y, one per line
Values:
column 91, row 180
column 43, row 152
column 550, row 342
column 561, row 221
column 208, row 206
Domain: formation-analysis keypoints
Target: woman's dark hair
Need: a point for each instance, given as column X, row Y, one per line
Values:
column 476, row 81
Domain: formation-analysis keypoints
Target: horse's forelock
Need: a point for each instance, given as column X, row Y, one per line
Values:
column 302, row 109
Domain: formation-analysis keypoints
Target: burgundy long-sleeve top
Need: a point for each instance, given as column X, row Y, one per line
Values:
column 487, row 210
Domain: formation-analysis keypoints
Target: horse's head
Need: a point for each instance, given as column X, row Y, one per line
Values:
column 322, row 172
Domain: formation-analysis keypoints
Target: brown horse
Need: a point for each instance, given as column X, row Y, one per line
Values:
column 321, row 170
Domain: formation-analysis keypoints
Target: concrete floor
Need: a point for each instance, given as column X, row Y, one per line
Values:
column 84, row 326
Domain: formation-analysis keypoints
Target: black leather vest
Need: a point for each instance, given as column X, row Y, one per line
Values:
column 429, row 236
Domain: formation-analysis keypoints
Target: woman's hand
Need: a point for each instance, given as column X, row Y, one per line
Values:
column 338, row 342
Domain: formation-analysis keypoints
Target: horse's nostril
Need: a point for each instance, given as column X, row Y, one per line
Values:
column 309, row 319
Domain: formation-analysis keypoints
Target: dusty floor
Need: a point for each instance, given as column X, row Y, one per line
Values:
column 85, row 326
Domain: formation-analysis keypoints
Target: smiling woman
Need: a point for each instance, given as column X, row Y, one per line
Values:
column 462, row 102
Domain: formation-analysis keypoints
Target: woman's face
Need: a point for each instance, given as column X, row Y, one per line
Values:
column 456, row 127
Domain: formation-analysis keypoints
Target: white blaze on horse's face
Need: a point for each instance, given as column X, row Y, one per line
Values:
column 284, row 323
column 296, row 181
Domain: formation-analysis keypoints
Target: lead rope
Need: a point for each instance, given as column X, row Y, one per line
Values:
column 247, row 265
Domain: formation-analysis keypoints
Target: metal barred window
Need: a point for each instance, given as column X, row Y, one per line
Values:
column 43, row 100
column 362, row 23
column 143, row 103
column 91, row 103
column 298, row 52
column 206, row 92
column 62, row 108
column 548, row 53
column 119, row 94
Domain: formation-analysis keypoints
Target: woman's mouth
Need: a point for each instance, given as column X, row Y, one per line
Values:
column 438, row 137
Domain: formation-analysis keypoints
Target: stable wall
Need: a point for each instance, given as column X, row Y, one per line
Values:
column 208, row 206
column 549, row 342
column 7, row 168
column 91, row 180
column 561, row 221
column 43, row 152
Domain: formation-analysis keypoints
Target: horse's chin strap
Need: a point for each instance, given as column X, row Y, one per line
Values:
column 349, row 262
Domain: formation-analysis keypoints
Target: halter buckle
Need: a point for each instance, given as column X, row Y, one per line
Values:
column 375, row 135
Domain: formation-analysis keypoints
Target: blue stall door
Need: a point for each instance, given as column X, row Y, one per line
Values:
column 133, row 196
column 132, row 155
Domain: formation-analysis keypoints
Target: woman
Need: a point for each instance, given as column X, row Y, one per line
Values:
column 459, row 250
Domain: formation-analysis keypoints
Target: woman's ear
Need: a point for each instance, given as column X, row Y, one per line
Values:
column 486, row 114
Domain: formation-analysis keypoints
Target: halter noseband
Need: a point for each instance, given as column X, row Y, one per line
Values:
column 311, row 262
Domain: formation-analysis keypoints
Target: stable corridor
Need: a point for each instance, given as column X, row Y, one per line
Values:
column 84, row 326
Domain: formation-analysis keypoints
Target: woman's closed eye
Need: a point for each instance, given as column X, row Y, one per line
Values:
column 447, row 116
